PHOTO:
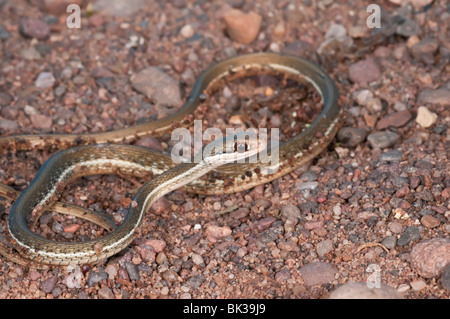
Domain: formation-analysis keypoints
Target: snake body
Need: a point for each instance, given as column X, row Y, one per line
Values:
column 108, row 158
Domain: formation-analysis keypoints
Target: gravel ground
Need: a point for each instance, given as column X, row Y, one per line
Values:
column 374, row 207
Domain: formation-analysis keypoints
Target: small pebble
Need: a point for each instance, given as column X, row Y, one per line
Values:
column 411, row 234
column 383, row 139
column 218, row 232
column 242, row 27
column 45, row 80
column 429, row 221
column 157, row 86
column 397, row 119
column 418, row 285
column 105, row 293
column 439, row 96
column 290, row 212
column 445, row 279
column 324, row 247
column 391, row 156
column 364, row 71
column 351, row 136
column 96, row 276
column 34, row 28
column 187, row 31
column 425, row 117
column 48, row 285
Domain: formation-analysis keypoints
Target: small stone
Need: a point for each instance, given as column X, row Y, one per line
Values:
column 105, row 293
column 5, row 99
column 397, row 119
column 280, row 29
column 391, row 156
column 242, row 27
column 425, row 46
column 389, row 242
column 157, row 245
column 4, row 34
column 351, row 136
column 264, row 223
column 445, row 279
column 439, row 96
column 146, row 252
column 218, row 232
column 30, row 53
column 197, row 259
column 374, row 105
column 361, row 290
column 324, row 247
column 411, row 234
column 132, row 270
column 429, row 221
column 408, row 28
column 308, row 186
column 34, row 28
column 187, row 31
column 318, row 273
column 290, row 212
column 157, row 86
column 96, row 276
column 48, row 285
column 425, row 117
column 41, row 121
column 383, row 139
column 431, row 256
column 418, row 285
column 364, row 71
column 362, row 97
column 283, row 275
column 45, row 80
column 8, row 125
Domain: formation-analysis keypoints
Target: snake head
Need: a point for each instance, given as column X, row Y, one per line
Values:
column 234, row 148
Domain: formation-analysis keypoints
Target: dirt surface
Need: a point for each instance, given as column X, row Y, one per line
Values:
column 359, row 213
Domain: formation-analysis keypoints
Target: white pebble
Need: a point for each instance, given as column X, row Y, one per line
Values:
column 425, row 117
column 187, row 31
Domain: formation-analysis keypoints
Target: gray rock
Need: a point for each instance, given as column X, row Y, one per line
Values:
column 408, row 28
column 290, row 211
column 445, row 279
column 383, row 139
column 439, row 96
column 360, row 290
column 96, row 276
column 157, row 86
column 351, row 136
column 391, row 156
column 48, row 285
column 411, row 234
column 132, row 270
column 389, row 242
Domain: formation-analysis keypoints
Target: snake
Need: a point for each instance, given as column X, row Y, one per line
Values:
column 106, row 153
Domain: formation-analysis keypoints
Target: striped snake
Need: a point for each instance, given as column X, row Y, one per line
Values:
column 103, row 156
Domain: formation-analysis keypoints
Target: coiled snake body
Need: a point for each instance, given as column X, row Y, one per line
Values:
column 104, row 157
